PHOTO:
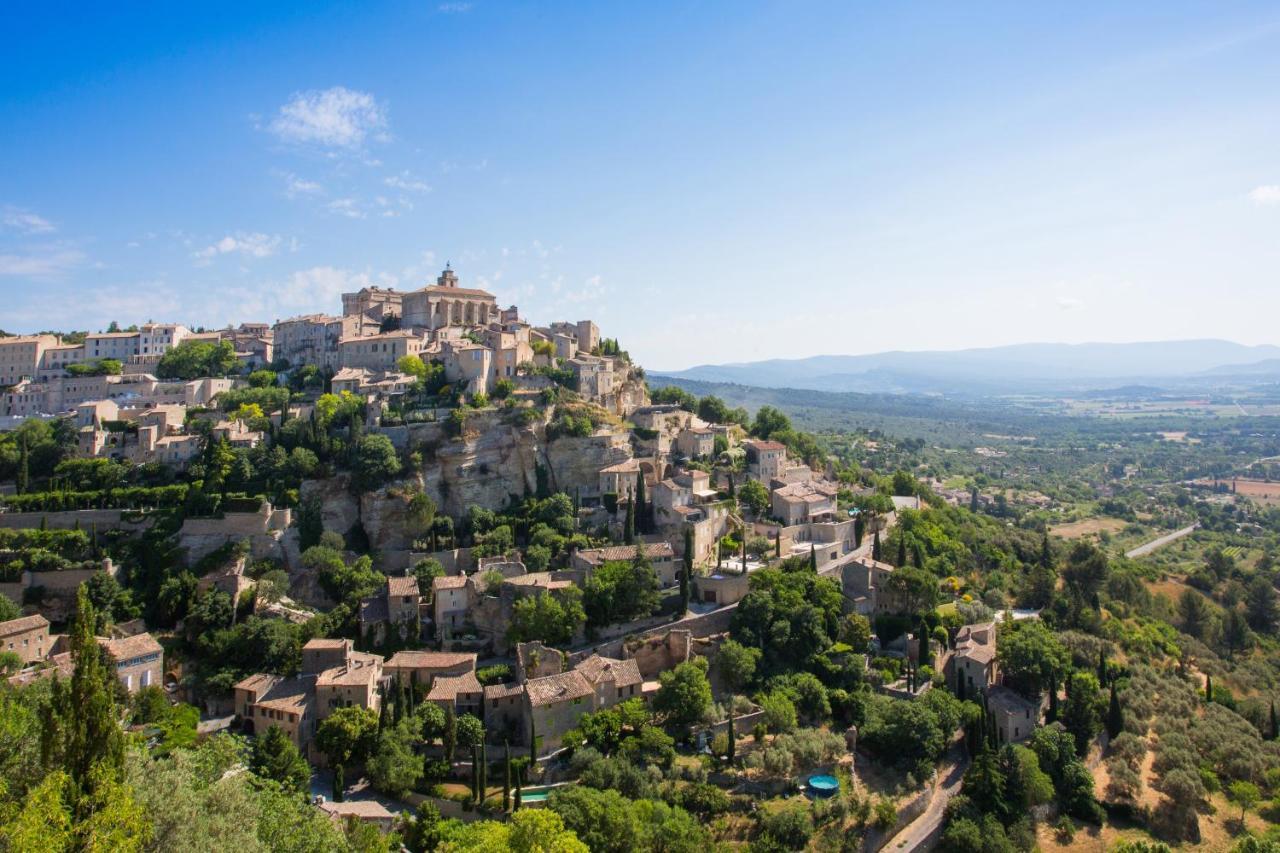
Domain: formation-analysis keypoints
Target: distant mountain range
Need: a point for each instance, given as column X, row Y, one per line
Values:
column 1021, row 368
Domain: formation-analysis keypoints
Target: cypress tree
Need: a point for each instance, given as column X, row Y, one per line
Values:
column 475, row 774
column 1102, row 667
column 859, row 529
column 533, row 743
column 382, row 714
column 506, row 782
column 902, row 551
column 875, row 547
column 744, row 550
column 973, row 499
column 484, row 771
column 400, row 701
column 515, row 806
column 337, row 784
column 642, row 512
column 24, row 467
column 731, row 489
column 686, row 570
column 777, row 545
column 960, row 687
column 413, row 687
column 450, row 733
column 733, row 736
column 1052, row 714
column 629, row 525
column 80, row 733
column 1046, row 551
column 1115, row 716
column 1275, row 730
column 813, row 558
column 1208, row 688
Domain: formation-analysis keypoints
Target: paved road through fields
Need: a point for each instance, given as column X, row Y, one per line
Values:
column 1144, row 550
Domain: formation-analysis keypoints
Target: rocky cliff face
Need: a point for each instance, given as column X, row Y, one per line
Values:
column 492, row 463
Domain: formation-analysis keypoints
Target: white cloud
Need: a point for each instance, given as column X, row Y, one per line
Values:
column 25, row 221
column 406, row 181
column 1266, row 194
column 41, row 264
column 335, row 118
column 1068, row 303
column 295, row 186
column 454, row 8
column 348, row 207
column 249, row 245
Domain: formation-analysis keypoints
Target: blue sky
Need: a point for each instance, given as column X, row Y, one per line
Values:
column 710, row 181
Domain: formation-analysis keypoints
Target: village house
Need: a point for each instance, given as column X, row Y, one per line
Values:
column 862, row 582
column 333, row 676
column 263, row 700
column 396, row 607
column 138, row 660
column 380, row 351
column 797, row 503
column 27, row 637
column 421, row 667
column 661, row 557
column 1016, row 718
column 766, row 460
column 973, row 662
column 451, row 601
column 697, row 442
column 462, row 692
column 619, row 479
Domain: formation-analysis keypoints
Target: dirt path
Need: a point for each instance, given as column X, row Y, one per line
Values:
column 1144, row 550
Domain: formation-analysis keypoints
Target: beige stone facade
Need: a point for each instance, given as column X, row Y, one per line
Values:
column 27, row 637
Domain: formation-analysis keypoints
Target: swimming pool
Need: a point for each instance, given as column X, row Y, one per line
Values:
column 823, row 785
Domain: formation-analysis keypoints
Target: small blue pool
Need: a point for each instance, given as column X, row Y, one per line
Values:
column 824, row 786
column 533, row 796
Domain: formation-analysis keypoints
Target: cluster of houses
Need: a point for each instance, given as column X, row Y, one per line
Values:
column 137, row 657
column 130, row 415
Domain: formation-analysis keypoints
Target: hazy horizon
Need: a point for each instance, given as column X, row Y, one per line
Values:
column 712, row 184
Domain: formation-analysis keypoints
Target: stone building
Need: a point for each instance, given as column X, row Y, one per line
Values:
column 138, row 660
column 27, row 637
column 447, row 304
column 394, row 608
column 661, row 557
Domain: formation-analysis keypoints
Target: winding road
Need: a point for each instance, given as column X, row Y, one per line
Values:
column 922, row 833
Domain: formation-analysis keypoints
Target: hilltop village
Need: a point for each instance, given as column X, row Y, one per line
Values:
column 428, row 567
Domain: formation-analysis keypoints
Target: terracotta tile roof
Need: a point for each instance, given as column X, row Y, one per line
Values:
column 652, row 550
column 439, row 290
column 430, row 660
column 360, row 669
column 503, row 691
column 970, row 645
column 597, row 669
column 397, row 586
column 362, row 809
column 623, row 467
column 1004, row 699
column 757, row 444
column 447, row 687
column 449, row 582
column 22, row 625
column 323, row 643
column 258, row 682
column 131, row 647
column 552, row 689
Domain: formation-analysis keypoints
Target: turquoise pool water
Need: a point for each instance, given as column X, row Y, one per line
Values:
column 533, row 796
column 824, row 786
